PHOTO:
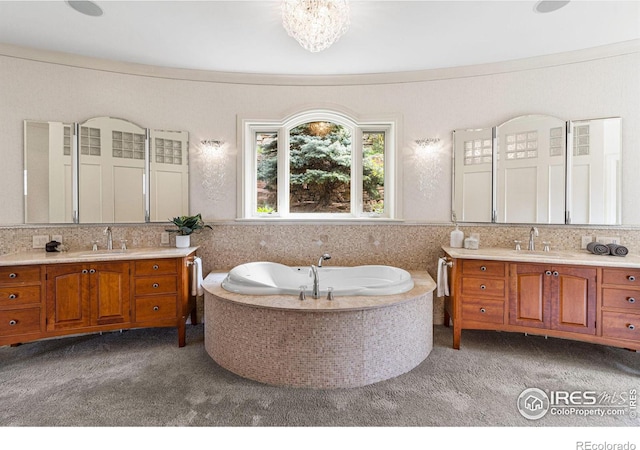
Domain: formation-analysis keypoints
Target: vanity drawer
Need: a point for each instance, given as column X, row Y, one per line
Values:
column 19, row 275
column 492, row 287
column 625, row 277
column 157, row 307
column 156, row 266
column 489, row 311
column 621, row 298
column 621, row 325
column 19, row 321
column 156, row 285
column 19, row 295
column 478, row 267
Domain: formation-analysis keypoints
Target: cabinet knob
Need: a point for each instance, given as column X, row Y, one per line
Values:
column 483, row 287
column 92, row 271
column 548, row 273
column 13, row 275
column 85, row 271
column 631, row 326
column 482, row 310
column 156, row 267
column 631, row 278
column 631, row 300
column 156, row 285
column 12, row 296
column 483, row 268
column 13, row 322
column 555, row 273
column 156, row 308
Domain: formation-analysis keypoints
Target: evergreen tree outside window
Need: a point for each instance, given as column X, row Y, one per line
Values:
column 318, row 165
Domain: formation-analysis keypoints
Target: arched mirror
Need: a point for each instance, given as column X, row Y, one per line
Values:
column 530, row 170
column 111, row 171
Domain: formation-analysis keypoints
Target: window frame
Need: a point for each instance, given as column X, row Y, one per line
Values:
column 247, row 166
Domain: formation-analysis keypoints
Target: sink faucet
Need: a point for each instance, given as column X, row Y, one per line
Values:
column 107, row 231
column 533, row 232
column 316, row 281
column 323, row 258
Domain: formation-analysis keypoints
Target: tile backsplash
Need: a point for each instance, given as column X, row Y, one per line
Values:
column 409, row 246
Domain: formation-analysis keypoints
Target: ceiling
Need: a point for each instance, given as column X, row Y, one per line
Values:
column 385, row 36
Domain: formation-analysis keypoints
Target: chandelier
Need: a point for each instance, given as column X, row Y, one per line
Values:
column 315, row 24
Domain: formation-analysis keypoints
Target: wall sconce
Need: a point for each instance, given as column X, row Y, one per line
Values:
column 211, row 144
column 425, row 143
column 427, row 165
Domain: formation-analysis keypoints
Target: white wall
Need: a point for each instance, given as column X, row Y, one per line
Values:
column 591, row 84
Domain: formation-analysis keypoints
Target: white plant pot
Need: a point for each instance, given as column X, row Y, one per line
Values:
column 183, row 241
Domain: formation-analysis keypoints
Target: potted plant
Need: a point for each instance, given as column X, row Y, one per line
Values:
column 186, row 226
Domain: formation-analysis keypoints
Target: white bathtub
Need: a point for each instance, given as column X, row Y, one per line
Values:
column 269, row 278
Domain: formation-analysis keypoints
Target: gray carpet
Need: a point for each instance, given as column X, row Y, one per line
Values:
column 141, row 378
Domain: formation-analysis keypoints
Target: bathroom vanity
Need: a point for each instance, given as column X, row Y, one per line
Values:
column 45, row 295
column 571, row 295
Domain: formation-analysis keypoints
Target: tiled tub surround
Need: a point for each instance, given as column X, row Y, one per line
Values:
column 347, row 342
column 404, row 245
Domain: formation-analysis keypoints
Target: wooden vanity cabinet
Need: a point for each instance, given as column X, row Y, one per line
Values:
column 48, row 300
column 84, row 295
column 579, row 302
column 22, row 315
column 553, row 297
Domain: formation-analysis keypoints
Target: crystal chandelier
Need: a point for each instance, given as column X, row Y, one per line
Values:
column 315, row 24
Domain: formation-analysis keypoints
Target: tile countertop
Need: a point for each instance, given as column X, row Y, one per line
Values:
column 571, row 257
column 42, row 257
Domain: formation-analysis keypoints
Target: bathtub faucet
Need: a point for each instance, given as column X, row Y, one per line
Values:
column 323, row 258
column 316, row 281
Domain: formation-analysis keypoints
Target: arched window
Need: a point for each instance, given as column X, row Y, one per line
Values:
column 319, row 164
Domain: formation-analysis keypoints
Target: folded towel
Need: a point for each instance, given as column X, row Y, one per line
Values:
column 196, row 277
column 443, row 278
column 618, row 250
column 597, row 248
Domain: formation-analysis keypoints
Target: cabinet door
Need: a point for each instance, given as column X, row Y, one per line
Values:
column 67, row 297
column 573, row 306
column 110, row 293
column 529, row 295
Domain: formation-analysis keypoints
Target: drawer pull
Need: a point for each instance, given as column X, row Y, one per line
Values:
column 12, row 296
column 548, row 273
column 631, row 300
column 85, row 271
column 92, row 271
column 13, row 275
column 156, row 308
column 631, row 326
column 483, row 287
column 555, row 273
column 482, row 310
column 13, row 322
column 156, row 267
column 483, row 268
column 155, row 285
column 631, row 278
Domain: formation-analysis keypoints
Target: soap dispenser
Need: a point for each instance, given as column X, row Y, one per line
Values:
column 457, row 236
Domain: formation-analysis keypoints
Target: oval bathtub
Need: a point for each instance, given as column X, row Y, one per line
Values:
column 351, row 341
column 269, row 278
